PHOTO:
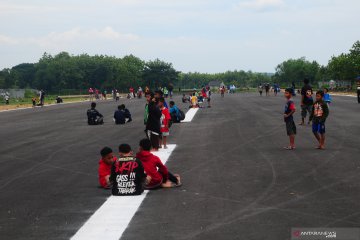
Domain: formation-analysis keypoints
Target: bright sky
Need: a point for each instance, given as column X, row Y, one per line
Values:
column 195, row 35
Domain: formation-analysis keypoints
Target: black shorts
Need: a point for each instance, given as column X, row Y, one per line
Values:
column 290, row 128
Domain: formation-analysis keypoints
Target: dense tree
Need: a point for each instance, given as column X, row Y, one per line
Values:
column 158, row 73
column 295, row 70
column 65, row 71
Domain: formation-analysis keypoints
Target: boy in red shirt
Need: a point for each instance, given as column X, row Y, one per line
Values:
column 165, row 120
column 105, row 163
column 289, row 119
column 157, row 173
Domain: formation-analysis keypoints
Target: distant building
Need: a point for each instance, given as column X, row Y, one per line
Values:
column 214, row 84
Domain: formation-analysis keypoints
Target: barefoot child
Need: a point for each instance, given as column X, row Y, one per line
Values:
column 165, row 120
column 318, row 116
column 157, row 173
column 289, row 119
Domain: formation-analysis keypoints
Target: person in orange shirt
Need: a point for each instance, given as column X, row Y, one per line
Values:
column 105, row 164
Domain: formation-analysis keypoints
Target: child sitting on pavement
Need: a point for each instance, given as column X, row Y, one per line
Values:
column 127, row 173
column 122, row 115
column 157, row 173
column 105, row 163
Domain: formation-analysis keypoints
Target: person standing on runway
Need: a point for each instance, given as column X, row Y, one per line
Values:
column 289, row 119
column 267, row 89
column 306, row 100
column 152, row 121
column 320, row 112
column 358, row 89
column 260, row 89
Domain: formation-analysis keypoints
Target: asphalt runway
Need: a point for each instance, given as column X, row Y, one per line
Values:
column 238, row 182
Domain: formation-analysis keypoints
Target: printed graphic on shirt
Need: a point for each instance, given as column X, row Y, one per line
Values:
column 126, row 176
column 318, row 110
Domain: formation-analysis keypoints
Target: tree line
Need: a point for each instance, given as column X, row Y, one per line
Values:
column 345, row 67
column 65, row 71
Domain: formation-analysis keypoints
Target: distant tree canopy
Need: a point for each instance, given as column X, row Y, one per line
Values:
column 238, row 78
column 295, row 70
column 64, row 71
column 346, row 67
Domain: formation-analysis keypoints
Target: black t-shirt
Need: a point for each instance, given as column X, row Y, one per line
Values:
column 127, row 177
column 119, row 116
column 92, row 115
column 153, row 121
column 307, row 92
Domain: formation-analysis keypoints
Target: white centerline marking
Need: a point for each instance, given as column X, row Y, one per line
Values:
column 190, row 115
column 112, row 218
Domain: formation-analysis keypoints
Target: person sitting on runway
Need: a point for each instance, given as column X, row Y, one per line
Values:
column 174, row 113
column 105, row 163
column 157, row 173
column 185, row 99
column 127, row 173
column 194, row 101
column 122, row 115
column 94, row 117
column 58, row 99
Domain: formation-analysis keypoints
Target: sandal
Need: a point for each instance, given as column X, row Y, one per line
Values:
column 289, row 148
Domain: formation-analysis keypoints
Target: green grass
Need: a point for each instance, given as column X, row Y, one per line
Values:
column 48, row 100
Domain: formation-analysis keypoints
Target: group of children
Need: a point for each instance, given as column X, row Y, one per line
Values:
column 121, row 116
column 318, row 110
column 130, row 174
column 196, row 99
column 157, row 119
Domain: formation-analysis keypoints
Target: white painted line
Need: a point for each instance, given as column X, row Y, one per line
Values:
column 112, row 218
column 190, row 115
column 342, row 95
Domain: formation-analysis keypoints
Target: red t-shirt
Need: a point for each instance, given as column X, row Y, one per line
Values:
column 104, row 170
column 153, row 167
column 165, row 118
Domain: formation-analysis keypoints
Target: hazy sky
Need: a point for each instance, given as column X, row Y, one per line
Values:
column 195, row 35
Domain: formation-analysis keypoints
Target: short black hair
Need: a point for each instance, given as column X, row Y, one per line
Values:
column 289, row 90
column 320, row 92
column 150, row 93
column 93, row 105
column 122, row 106
column 172, row 103
column 306, row 81
column 124, row 148
column 145, row 144
column 159, row 92
column 326, row 89
column 161, row 99
column 105, row 151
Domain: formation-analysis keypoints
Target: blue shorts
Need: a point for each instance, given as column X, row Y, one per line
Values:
column 318, row 128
